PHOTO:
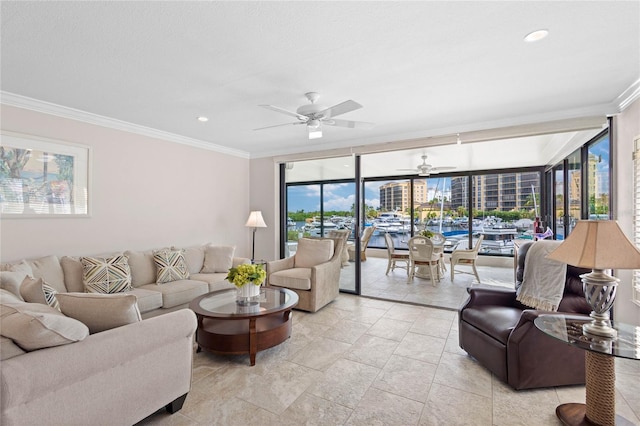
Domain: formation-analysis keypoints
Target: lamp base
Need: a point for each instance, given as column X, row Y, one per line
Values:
column 600, row 326
column 600, row 293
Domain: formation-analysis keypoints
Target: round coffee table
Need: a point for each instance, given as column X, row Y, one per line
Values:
column 226, row 327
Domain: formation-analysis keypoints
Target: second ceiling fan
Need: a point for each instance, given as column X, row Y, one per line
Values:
column 315, row 115
column 424, row 169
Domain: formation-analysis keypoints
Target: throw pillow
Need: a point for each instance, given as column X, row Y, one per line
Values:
column 194, row 257
column 106, row 275
column 37, row 290
column 218, row 259
column 171, row 266
column 313, row 252
column 100, row 312
column 11, row 281
column 12, row 276
column 143, row 268
column 35, row 326
column 48, row 268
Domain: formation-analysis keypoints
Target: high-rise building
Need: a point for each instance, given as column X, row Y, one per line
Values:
column 503, row 191
column 397, row 195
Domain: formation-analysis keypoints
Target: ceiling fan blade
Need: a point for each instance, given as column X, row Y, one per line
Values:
column 284, row 111
column 279, row 125
column 341, row 108
column 348, row 123
column 442, row 168
column 407, row 170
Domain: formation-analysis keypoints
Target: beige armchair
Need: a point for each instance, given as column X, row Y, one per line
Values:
column 313, row 273
column 364, row 242
column 466, row 257
column 344, row 235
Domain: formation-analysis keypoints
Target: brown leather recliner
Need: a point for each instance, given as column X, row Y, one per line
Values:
column 498, row 331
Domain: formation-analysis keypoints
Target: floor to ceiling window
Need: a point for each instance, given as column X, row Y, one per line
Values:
column 581, row 185
column 558, row 203
column 574, row 188
column 501, row 205
column 598, row 177
column 320, row 198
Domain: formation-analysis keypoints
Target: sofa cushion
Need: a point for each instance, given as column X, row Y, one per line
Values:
column 8, row 349
column 36, row 290
column 8, row 297
column 218, row 259
column 296, row 278
column 100, row 312
column 496, row 321
column 35, row 326
column 106, row 274
column 312, row 252
column 170, row 265
column 143, row 267
column 194, row 257
column 148, row 300
column 48, row 268
column 178, row 292
column 72, row 268
column 11, row 281
column 216, row 281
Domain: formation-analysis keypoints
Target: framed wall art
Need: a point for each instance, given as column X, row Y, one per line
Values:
column 43, row 177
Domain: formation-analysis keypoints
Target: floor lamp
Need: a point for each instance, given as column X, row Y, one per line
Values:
column 255, row 221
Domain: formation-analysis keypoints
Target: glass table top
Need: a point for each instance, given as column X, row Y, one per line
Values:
column 568, row 328
column 223, row 303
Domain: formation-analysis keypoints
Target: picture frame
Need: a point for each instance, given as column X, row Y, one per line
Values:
column 42, row 178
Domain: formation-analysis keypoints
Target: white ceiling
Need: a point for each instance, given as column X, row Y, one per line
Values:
column 420, row 69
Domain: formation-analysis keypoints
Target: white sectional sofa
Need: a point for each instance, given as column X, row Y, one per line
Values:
column 92, row 358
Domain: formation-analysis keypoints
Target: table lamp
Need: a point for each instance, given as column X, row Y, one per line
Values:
column 255, row 221
column 599, row 245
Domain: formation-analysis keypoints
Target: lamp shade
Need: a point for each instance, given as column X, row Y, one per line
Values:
column 597, row 244
column 255, row 220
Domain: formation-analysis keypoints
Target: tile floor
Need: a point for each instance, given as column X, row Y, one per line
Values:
column 363, row 361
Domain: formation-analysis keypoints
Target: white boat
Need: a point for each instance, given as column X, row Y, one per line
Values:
column 498, row 239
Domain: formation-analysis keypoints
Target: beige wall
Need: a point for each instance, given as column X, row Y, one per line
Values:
column 265, row 197
column 146, row 193
column 626, row 127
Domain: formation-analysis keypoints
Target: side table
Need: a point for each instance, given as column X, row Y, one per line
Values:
column 600, row 407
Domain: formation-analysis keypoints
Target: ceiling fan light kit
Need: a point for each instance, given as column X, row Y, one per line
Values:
column 314, row 115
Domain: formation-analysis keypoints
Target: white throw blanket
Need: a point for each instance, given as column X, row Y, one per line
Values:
column 543, row 280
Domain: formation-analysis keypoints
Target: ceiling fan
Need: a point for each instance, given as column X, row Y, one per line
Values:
column 425, row 169
column 315, row 115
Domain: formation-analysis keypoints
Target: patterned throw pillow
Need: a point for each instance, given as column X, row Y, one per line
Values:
column 36, row 290
column 171, row 266
column 106, row 275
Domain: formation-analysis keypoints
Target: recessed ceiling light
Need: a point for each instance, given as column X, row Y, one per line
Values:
column 536, row 36
column 203, row 119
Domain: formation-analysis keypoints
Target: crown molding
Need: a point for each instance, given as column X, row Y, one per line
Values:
column 627, row 97
column 24, row 102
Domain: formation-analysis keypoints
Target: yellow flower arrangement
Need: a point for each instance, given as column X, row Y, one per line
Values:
column 246, row 273
column 426, row 233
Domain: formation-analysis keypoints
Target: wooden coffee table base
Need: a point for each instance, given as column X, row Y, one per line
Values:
column 243, row 336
